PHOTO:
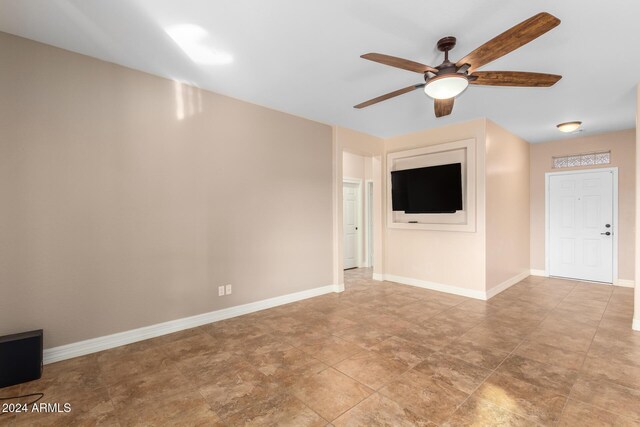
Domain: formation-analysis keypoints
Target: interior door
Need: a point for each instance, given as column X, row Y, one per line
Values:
column 350, row 217
column 581, row 226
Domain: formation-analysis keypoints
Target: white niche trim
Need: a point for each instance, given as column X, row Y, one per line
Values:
column 463, row 152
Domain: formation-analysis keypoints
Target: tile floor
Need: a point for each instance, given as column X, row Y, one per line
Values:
column 544, row 352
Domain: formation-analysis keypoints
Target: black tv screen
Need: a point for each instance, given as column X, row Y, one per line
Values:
column 433, row 189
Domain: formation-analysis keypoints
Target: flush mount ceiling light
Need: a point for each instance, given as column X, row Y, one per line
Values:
column 192, row 39
column 446, row 86
column 568, row 127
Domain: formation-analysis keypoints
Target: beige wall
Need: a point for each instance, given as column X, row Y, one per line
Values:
column 123, row 206
column 353, row 166
column 444, row 257
column 622, row 146
column 636, row 313
column 507, row 202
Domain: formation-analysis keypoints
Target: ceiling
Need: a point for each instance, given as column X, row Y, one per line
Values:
column 302, row 57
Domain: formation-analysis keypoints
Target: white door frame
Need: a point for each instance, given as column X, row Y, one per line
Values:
column 547, row 214
column 368, row 220
column 357, row 182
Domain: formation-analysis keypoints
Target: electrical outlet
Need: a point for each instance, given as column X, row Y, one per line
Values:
column 228, row 289
column 220, row 291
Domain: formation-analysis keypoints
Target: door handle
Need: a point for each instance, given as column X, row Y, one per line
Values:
column 608, row 233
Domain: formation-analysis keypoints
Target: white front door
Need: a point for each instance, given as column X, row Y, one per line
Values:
column 581, row 225
column 350, row 215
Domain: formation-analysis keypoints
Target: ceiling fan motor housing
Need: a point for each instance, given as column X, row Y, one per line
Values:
column 445, row 44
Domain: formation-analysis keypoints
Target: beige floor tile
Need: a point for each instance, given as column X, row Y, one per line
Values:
column 236, row 328
column 573, row 323
column 444, row 298
column 283, row 325
column 263, row 344
column 372, row 369
column 538, row 404
column 7, row 419
column 237, row 389
column 544, row 353
column 620, row 338
column 615, row 324
column 480, row 413
column 305, row 335
column 430, row 338
column 453, row 372
column 477, row 306
column 443, row 328
column 424, row 396
column 608, row 396
column 63, row 379
column 610, row 369
column 205, row 368
column 277, row 410
column 581, row 414
column 330, row 349
column 140, row 389
column 330, row 393
column 419, row 311
column 364, row 335
column 485, row 337
column 476, row 354
column 545, row 375
column 190, row 346
column 286, row 367
column 575, row 343
column 622, row 352
column 178, row 409
column 123, row 363
column 379, row 411
column 409, row 352
column 177, row 336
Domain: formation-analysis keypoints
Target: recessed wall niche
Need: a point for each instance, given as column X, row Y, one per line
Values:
column 463, row 152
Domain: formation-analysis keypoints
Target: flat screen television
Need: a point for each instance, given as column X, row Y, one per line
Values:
column 432, row 189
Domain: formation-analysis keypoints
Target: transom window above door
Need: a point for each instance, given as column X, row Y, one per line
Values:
column 585, row 159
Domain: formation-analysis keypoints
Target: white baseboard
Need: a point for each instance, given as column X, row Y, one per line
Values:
column 538, row 273
column 506, row 284
column 93, row 345
column 378, row 276
column 619, row 282
column 436, row 286
column 470, row 293
column 625, row 283
column 636, row 324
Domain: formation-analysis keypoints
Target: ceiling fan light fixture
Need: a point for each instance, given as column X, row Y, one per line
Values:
column 447, row 86
column 568, row 127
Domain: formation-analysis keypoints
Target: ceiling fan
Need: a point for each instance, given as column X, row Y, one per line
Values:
column 446, row 81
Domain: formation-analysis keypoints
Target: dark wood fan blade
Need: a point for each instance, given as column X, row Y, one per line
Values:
column 405, row 64
column 444, row 107
column 510, row 40
column 513, row 78
column 389, row 95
